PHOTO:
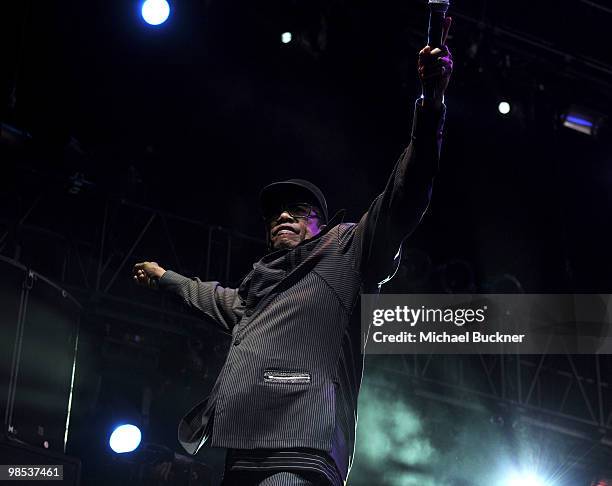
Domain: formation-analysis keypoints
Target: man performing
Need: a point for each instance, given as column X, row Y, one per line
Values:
column 285, row 401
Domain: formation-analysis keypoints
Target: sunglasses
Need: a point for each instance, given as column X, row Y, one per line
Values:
column 295, row 210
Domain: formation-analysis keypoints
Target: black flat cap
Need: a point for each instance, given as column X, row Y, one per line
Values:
column 292, row 190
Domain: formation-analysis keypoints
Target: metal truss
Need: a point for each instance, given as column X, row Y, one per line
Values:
column 91, row 257
column 87, row 242
column 95, row 262
column 528, row 47
column 568, row 394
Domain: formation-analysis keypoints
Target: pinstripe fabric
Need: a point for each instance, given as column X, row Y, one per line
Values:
column 287, row 479
column 319, row 462
column 293, row 372
column 282, row 478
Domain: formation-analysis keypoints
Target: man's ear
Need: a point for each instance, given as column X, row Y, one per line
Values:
column 322, row 227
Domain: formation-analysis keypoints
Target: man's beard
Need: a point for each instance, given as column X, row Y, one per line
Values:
column 285, row 243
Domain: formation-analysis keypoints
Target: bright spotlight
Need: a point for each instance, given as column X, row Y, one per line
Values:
column 528, row 479
column 125, row 438
column 155, row 12
column 504, row 107
column 286, row 37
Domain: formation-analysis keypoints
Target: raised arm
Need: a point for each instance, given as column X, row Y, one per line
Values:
column 397, row 211
column 219, row 304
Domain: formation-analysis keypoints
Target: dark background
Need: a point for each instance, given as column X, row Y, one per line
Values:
column 210, row 106
column 194, row 116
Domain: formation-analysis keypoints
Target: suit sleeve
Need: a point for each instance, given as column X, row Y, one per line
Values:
column 221, row 305
column 397, row 211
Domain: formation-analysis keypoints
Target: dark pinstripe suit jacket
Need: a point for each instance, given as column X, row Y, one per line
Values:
column 293, row 371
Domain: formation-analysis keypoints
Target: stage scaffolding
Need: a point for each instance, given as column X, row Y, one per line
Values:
column 92, row 257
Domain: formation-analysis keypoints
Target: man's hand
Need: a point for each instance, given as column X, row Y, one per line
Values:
column 147, row 274
column 435, row 67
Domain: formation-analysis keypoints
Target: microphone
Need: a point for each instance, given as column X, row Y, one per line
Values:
column 437, row 16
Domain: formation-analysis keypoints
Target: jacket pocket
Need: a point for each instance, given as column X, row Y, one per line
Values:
column 285, row 376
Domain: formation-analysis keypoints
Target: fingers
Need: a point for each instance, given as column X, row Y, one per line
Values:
column 141, row 278
column 435, row 58
column 424, row 53
column 434, row 72
column 138, row 268
column 439, row 66
column 143, row 267
column 144, row 264
column 147, row 273
column 139, row 274
column 429, row 56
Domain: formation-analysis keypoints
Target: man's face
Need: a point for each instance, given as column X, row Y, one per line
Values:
column 292, row 224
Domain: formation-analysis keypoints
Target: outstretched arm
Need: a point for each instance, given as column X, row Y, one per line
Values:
column 218, row 303
column 397, row 211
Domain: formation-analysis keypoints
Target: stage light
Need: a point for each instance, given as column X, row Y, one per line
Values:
column 155, row 12
column 504, row 107
column 125, row 438
column 525, row 479
column 582, row 120
column 578, row 123
column 286, row 37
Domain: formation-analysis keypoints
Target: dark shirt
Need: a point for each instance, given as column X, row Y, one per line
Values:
column 293, row 371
